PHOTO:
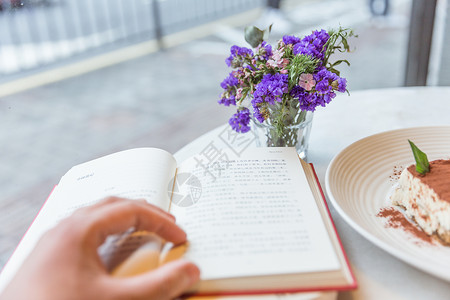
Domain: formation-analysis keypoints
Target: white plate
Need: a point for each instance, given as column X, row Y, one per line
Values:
column 358, row 183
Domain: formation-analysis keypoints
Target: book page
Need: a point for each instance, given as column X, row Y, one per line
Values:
column 44, row 221
column 253, row 215
column 144, row 173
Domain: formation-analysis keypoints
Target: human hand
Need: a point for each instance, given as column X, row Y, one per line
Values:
column 65, row 263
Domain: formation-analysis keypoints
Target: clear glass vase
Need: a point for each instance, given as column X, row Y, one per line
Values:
column 296, row 135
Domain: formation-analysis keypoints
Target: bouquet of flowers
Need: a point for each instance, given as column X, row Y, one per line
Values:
column 278, row 86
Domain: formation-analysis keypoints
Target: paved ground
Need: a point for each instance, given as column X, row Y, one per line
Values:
column 165, row 100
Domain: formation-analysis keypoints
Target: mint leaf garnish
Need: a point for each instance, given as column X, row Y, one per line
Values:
column 422, row 164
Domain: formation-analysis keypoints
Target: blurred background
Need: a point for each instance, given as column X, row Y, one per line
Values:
column 81, row 79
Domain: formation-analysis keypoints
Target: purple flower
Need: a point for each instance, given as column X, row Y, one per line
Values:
column 257, row 113
column 240, row 121
column 342, row 85
column 308, row 101
column 312, row 45
column 227, row 99
column 268, row 91
column 271, row 88
column 325, row 80
column 327, row 83
column 229, row 84
column 323, row 87
column 294, row 70
column 237, row 56
column 290, row 40
column 264, row 51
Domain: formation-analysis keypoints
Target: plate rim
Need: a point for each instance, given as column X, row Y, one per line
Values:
column 394, row 251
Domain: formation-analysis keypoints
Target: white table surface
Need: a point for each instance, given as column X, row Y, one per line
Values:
column 344, row 121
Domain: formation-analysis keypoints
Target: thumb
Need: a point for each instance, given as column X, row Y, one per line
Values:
column 166, row 282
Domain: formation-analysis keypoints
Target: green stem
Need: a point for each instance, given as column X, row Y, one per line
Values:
column 284, row 132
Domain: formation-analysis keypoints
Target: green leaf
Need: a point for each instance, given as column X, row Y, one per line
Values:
column 266, row 32
column 300, row 64
column 335, row 71
column 339, row 62
column 345, row 43
column 254, row 36
column 422, row 164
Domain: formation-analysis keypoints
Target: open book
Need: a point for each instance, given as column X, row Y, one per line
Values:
column 257, row 223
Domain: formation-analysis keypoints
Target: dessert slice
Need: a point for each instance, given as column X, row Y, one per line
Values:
column 426, row 198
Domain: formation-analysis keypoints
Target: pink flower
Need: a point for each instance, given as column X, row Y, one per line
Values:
column 272, row 63
column 284, row 63
column 278, row 54
column 239, row 93
column 306, row 81
column 277, row 61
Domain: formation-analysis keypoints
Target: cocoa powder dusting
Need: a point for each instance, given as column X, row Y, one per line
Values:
column 396, row 172
column 437, row 179
column 395, row 219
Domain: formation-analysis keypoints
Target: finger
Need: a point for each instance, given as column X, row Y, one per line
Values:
column 167, row 282
column 112, row 200
column 159, row 209
column 118, row 216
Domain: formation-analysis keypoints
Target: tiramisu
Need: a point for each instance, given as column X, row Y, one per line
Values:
column 426, row 198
